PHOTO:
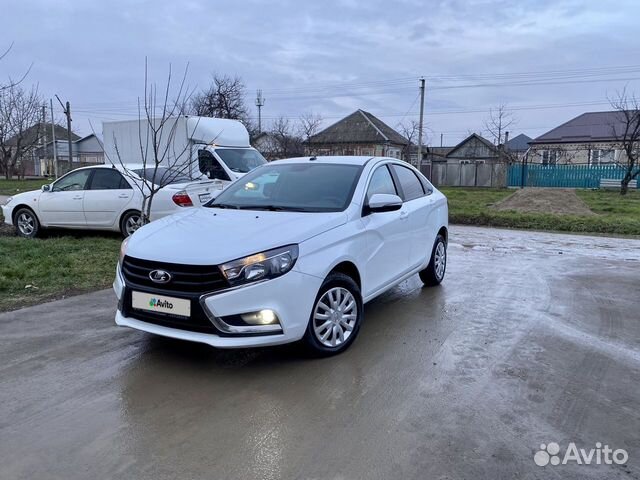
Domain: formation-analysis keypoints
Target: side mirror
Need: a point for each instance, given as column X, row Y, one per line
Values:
column 384, row 202
column 46, row 188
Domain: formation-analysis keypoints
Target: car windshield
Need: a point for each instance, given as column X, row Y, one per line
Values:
column 163, row 175
column 303, row 187
column 241, row 160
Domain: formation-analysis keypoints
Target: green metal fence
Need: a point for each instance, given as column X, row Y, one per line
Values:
column 563, row 176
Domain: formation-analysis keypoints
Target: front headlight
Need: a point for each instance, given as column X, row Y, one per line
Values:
column 261, row 266
column 8, row 201
column 123, row 249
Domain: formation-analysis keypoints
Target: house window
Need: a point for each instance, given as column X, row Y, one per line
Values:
column 549, row 157
column 600, row 156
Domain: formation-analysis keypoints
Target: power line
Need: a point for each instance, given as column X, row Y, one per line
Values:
column 403, row 115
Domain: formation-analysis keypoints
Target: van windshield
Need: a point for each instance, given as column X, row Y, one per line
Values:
column 241, row 160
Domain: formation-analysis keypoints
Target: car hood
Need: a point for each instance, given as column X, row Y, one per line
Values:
column 25, row 197
column 214, row 236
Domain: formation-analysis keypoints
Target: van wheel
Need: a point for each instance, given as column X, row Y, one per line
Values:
column 130, row 222
column 434, row 273
column 336, row 316
column 26, row 222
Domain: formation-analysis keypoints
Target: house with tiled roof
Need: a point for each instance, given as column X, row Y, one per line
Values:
column 360, row 133
column 590, row 138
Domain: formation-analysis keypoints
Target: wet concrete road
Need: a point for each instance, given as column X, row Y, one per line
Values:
column 533, row 338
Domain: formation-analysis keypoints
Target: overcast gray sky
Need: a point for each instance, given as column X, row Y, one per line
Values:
column 335, row 56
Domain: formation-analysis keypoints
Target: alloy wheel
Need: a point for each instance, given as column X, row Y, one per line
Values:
column 334, row 317
column 440, row 260
column 26, row 224
column 132, row 224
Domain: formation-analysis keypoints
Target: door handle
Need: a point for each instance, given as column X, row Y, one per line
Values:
column 404, row 215
column 124, row 195
column 77, row 198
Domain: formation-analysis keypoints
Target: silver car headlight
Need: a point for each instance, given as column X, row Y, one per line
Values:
column 260, row 266
column 8, row 201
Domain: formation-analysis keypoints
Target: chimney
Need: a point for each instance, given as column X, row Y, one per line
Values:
column 506, row 140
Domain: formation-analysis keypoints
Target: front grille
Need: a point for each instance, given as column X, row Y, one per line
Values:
column 184, row 278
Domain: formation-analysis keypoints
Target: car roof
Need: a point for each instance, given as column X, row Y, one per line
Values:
column 335, row 159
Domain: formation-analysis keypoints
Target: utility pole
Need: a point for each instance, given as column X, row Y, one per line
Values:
column 67, row 112
column 43, row 139
column 53, row 142
column 421, row 122
column 259, row 104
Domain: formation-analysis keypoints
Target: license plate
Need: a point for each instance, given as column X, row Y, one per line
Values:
column 161, row 304
column 204, row 197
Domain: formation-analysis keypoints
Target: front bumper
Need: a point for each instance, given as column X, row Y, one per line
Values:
column 7, row 213
column 291, row 297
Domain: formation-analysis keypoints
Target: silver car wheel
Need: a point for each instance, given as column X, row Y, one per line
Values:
column 26, row 224
column 440, row 260
column 132, row 224
column 334, row 317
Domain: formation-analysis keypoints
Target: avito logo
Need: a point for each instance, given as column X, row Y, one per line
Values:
column 157, row 303
column 550, row 453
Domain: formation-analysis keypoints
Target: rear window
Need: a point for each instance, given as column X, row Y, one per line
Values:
column 162, row 176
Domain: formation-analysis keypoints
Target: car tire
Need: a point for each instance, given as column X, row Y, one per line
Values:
column 434, row 273
column 26, row 222
column 129, row 221
column 336, row 316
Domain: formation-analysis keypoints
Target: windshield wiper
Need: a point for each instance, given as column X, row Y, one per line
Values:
column 271, row 208
column 222, row 205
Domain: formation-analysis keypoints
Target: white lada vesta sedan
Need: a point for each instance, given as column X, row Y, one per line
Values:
column 289, row 252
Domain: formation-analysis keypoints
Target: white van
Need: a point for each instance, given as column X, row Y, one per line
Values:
column 200, row 147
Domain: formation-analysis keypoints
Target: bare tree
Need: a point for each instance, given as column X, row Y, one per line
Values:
column 499, row 120
column 11, row 82
column 308, row 125
column 626, row 131
column 224, row 98
column 157, row 132
column 287, row 142
column 20, row 116
column 409, row 130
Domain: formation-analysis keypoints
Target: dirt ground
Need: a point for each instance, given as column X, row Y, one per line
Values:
column 544, row 200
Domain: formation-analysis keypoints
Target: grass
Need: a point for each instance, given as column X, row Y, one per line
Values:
column 60, row 264
column 11, row 187
column 615, row 214
column 33, row 271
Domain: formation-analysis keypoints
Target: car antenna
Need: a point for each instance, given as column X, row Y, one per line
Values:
column 311, row 159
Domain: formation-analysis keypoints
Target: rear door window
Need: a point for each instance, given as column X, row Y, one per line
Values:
column 409, row 183
column 108, row 179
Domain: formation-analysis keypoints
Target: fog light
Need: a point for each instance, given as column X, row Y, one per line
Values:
column 263, row 317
